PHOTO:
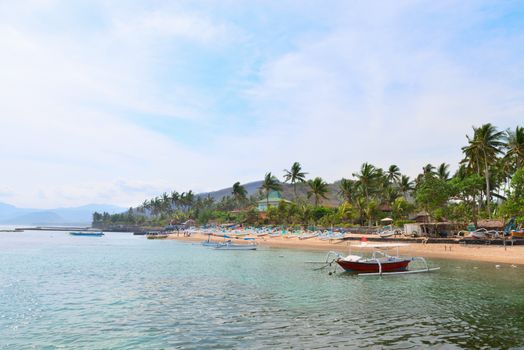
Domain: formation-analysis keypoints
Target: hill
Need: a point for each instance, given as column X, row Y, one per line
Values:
column 81, row 215
column 252, row 188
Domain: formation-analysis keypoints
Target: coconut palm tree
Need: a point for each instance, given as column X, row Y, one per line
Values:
column 269, row 184
column 393, row 174
column 175, row 199
column 443, row 171
column 347, row 190
column 367, row 179
column 405, row 185
column 485, row 146
column 239, row 192
column 515, row 147
column 294, row 175
column 317, row 188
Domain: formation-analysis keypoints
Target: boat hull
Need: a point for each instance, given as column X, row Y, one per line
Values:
column 87, row 234
column 373, row 266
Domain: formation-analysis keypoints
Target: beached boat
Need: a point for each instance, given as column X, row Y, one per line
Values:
column 389, row 233
column 380, row 262
column 87, row 234
column 482, row 233
column 308, row 236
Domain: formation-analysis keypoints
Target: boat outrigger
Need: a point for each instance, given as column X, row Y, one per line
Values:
column 380, row 263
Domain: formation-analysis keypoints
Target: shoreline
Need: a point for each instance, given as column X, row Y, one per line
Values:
column 513, row 255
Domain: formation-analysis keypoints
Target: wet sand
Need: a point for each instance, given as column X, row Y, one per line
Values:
column 496, row 254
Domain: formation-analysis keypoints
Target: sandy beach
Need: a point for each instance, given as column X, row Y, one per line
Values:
column 495, row 254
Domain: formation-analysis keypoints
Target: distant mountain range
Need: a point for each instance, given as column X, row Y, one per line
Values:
column 82, row 215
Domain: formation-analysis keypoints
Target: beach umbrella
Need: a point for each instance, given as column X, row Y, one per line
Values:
column 386, row 220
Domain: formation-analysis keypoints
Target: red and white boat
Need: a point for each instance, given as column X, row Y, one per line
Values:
column 380, row 262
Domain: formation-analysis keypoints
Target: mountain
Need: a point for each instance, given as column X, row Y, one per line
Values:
column 287, row 192
column 81, row 215
column 251, row 188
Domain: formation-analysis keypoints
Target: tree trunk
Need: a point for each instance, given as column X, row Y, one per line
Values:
column 486, row 174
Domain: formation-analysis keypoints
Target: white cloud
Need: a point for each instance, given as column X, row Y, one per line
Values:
column 390, row 84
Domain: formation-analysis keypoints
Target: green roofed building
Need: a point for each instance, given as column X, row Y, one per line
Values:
column 274, row 200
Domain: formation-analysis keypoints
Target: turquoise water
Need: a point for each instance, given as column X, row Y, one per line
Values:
column 125, row 292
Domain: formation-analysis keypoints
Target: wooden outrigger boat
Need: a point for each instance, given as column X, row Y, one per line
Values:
column 234, row 246
column 380, row 263
column 87, row 234
column 229, row 245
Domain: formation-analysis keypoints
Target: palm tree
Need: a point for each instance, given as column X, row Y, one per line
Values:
column 405, row 185
column 317, row 188
column 393, row 174
column 366, row 179
column 347, row 189
column 428, row 170
column 485, row 146
column 515, row 147
column 294, row 175
column 166, row 202
column 443, row 171
column 269, row 184
column 239, row 192
column 175, row 199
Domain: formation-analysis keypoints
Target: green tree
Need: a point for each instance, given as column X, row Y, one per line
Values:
column 269, row 184
column 483, row 149
column 432, row 193
column 515, row 147
column 465, row 188
column 443, row 171
column 367, row 179
column 295, row 175
column 317, row 188
column 347, row 190
column 514, row 205
column 393, row 174
column 239, row 193
column 405, row 185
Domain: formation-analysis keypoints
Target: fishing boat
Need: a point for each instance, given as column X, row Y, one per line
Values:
column 380, row 262
column 234, row 246
column 87, row 234
column 482, row 233
column 308, row 236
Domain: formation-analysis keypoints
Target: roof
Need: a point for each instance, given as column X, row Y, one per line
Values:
column 490, row 223
column 274, row 196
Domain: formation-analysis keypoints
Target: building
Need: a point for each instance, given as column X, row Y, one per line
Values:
column 274, row 200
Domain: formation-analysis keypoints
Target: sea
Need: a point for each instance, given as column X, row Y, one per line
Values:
column 122, row 291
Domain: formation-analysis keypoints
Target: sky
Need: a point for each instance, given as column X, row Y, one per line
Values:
column 117, row 101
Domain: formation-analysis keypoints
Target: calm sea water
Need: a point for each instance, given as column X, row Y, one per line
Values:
column 125, row 292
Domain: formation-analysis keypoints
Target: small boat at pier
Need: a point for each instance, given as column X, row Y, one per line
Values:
column 87, row 234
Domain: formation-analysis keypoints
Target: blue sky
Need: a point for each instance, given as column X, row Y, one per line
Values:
column 117, row 101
